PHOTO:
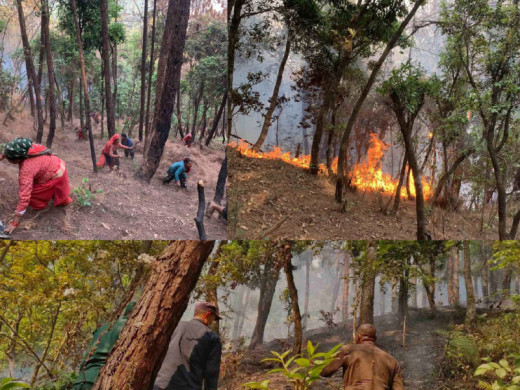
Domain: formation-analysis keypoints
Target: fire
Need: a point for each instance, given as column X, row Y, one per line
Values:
column 366, row 176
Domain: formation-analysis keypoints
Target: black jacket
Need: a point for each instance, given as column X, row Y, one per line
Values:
column 193, row 358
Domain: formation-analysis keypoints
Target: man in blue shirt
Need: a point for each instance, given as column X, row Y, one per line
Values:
column 178, row 172
column 127, row 142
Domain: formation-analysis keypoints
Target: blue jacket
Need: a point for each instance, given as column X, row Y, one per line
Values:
column 178, row 168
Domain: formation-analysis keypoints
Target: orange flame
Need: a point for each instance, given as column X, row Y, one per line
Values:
column 366, row 176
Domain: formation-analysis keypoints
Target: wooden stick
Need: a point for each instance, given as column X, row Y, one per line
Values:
column 271, row 229
column 199, row 220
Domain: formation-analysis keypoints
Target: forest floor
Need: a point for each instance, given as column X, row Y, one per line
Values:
column 421, row 360
column 270, row 198
column 127, row 208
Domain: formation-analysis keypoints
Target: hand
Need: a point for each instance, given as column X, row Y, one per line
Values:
column 10, row 229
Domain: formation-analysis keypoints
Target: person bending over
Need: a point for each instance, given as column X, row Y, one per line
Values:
column 212, row 207
column 128, row 142
column 178, row 172
column 365, row 366
column 192, row 361
column 109, row 154
column 42, row 176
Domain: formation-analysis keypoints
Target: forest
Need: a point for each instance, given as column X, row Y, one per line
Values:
column 448, row 311
column 74, row 74
column 382, row 120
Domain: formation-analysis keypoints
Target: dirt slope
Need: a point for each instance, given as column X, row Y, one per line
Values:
column 127, row 208
column 419, row 360
column 265, row 192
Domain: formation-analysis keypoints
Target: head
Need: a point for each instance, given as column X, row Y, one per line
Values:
column 187, row 162
column 123, row 136
column 206, row 312
column 366, row 332
column 16, row 150
column 115, row 139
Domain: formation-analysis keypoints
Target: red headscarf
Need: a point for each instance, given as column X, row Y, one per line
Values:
column 110, row 143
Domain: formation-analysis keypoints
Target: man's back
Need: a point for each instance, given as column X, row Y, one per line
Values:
column 193, row 357
column 366, row 367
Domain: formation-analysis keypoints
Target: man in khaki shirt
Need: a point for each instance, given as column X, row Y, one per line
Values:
column 366, row 367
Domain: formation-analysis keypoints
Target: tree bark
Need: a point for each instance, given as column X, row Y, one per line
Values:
column 359, row 103
column 143, row 70
column 346, row 283
column 221, row 182
column 105, row 56
column 144, row 340
column 267, row 289
column 31, row 71
column 456, row 266
column 50, row 71
column 285, row 251
column 307, row 288
column 173, row 42
column 84, row 83
column 216, row 121
column 150, row 74
column 471, row 312
column 366, row 312
column 274, row 97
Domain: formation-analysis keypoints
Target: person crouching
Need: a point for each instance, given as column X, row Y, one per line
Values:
column 42, row 176
column 178, row 172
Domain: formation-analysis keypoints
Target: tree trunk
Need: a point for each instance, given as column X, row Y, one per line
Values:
column 234, row 17
column 196, row 105
column 335, row 286
column 456, row 265
column 50, row 71
column 144, row 340
column 31, row 71
column 221, row 182
column 81, row 110
column 105, row 56
column 274, row 97
column 84, row 83
column 71, row 101
column 346, row 283
column 484, row 276
column 471, row 312
column 366, row 313
column 143, row 70
column 400, row 184
column 359, row 103
column 307, row 288
column 285, row 249
column 150, row 74
column 403, row 297
column 173, row 46
column 216, row 121
column 179, row 116
column 267, row 289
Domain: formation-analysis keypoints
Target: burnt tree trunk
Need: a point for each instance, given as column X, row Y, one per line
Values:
column 221, row 182
column 144, row 340
column 273, row 101
column 150, row 74
column 346, row 283
column 173, row 42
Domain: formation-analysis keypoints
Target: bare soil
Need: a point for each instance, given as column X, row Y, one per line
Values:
column 421, row 358
column 272, row 199
column 127, row 208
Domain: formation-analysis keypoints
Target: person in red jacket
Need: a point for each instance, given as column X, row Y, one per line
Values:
column 42, row 176
column 188, row 140
column 109, row 154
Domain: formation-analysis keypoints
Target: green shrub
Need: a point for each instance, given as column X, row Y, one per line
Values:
column 85, row 193
column 11, row 384
column 299, row 370
column 501, row 375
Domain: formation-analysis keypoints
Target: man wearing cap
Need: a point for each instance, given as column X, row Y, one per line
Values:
column 365, row 366
column 192, row 361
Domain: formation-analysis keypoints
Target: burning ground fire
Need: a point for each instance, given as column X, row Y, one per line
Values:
column 366, row 176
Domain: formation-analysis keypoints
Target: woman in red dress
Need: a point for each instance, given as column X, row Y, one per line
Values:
column 109, row 153
column 42, row 176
